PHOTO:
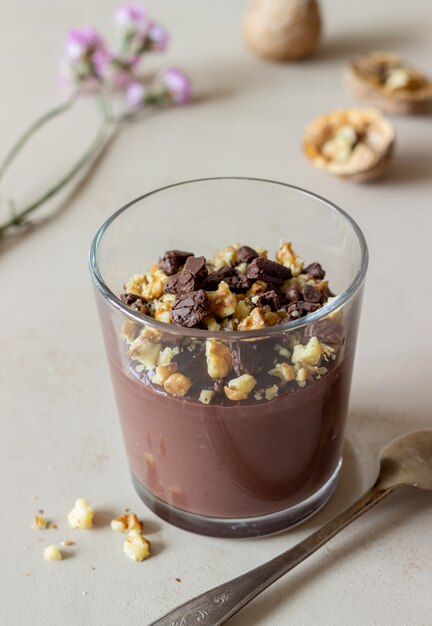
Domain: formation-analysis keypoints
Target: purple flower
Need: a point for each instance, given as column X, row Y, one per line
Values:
column 135, row 94
column 86, row 55
column 131, row 16
column 157, row 37
column 177, row 85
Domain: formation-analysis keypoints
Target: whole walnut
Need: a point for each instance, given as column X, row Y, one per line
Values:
column 282, row 29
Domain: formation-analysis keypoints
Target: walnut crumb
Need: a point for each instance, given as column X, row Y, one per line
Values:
column 136, row 546
column 240, row 388
column 271, row 392
column 52, row 553
column 206, row 396
column 39, row 522
column 81, row 515
column 126, row 522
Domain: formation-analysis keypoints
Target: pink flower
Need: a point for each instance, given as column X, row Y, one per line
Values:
column 135, row 94
column 177, row 85
column 157, row 37
column 86, row 55
column 131, row 16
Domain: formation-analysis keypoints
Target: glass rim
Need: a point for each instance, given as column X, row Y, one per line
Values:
column 146, row 320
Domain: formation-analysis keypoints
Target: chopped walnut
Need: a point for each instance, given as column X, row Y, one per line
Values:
column 287, row 257
column 240, row 388
column 126, row 523
column 52, row 553
column 163, row 372
column 177, row 384
column 282, row 351
column 226, row 256
column 212, row 324
column 129, row 330
column 145, row 351
column 163, row 312
column 310, row 354
column 39, row 522
column 284, row 371
column 257, row 288
column 151, row 334
column 243, row 309
column 254, row 321
column 206, row 396
column 167, row 354
column 302, row 376
column 222, row 302
column 259, row 394
column 136, row 546
column 271, row 319
column 218, row 359
column 81, row 515
column 271, row 392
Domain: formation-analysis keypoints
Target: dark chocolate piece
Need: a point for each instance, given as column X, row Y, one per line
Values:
column 218, row 386
column 245, row 359
column 268, row 271
column 269, row 298
column 310, row 294
column 214, row 278
column 173, row 260
column 326, row 330
column 196, row 265
column 293, row 294
column 315, row 270
column 245, row 254
column 134, row 302
column 307, row 307
column 190, row 309
column 183, row 282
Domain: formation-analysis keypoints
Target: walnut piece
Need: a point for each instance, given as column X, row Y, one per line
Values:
column 145, row 351
column 389, row 83
column 39, row 522
column 253, row 321
column 52, row 553
column 177, row 384
column 284, row 371
column 271, row 392
column 163, row 372
column 222, row 302
column 310, row 354
column 226, row 256
column 288, row 258
column 81, row 515
column 126, row 523
column 206, row 396
column 355, row 144
column 218, row 359
column 136, row 546
column 240, row 388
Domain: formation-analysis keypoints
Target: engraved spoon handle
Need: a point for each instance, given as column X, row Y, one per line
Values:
column 217, row 605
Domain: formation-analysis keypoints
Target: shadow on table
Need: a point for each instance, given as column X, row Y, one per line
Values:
column 409, row 168
column 399, row 508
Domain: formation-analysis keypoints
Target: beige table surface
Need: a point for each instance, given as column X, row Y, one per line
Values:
column 60, row 436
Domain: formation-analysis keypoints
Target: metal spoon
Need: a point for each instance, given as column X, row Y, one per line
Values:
column 405, row 461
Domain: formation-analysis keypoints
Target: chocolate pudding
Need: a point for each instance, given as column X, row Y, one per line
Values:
column 234, row 461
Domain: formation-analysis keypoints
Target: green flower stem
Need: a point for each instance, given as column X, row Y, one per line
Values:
column 41, row 121
column 93, row 150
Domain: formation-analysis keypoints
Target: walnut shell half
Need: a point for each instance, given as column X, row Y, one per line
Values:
column 282, row 30
column 386, row 81
column 350, row 143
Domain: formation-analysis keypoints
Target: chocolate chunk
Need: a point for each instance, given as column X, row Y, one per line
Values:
column 246, row 254
column 269, row 298
column 307, row 307
column 134, row 302
column 238, row 282
column 326, row 330
column 183, row 282
column 315, row 270
column 310, row 294
column 190, row 309
column 293, row 294
column 245, row 358
column 196, row 265
column 235, row 280
column 218, row 386
column 172, row 261
column 269, row 271
column 214, row 278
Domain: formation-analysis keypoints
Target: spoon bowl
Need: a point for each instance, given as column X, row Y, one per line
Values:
column 407, row 461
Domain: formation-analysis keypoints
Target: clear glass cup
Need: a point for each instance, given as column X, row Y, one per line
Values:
column 244, row 468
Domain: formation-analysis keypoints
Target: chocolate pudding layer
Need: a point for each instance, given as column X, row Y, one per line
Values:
column 234, row 461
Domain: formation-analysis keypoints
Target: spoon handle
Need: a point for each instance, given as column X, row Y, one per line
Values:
column 217, row 605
